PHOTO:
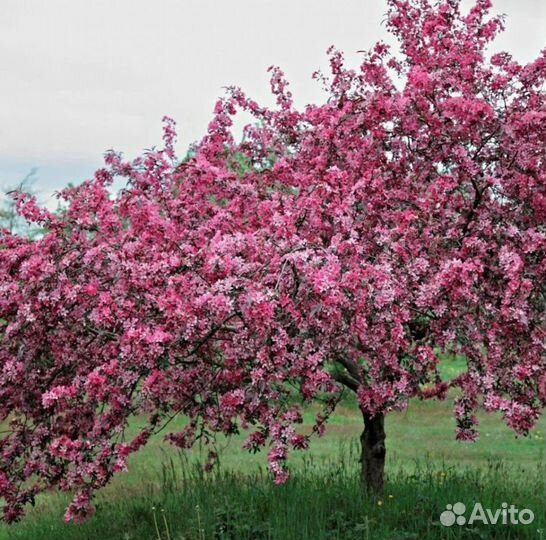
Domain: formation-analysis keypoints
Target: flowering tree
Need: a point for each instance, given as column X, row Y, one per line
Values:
column 342, row 246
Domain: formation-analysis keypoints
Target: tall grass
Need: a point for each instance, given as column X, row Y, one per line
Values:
column 321, row 501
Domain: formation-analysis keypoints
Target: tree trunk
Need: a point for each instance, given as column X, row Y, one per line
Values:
column 373, row 451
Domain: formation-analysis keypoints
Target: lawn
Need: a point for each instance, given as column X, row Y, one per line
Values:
column 426, row 469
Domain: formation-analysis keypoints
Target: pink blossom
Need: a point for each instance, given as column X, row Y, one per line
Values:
column 57, row 393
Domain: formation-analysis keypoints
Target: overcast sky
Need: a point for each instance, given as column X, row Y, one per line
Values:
column 82, row 76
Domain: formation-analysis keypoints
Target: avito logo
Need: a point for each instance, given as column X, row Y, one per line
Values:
column 505, row 515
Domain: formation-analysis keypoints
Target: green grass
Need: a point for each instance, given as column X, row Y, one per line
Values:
column 320, row 502
column 426, row 469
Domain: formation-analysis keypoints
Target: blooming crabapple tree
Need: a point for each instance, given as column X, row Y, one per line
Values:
column 339, row 246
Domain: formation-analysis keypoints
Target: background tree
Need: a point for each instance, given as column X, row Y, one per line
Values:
column 342, row 246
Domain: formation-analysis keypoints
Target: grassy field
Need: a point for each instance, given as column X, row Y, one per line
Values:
column 426, row 470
